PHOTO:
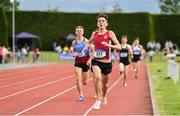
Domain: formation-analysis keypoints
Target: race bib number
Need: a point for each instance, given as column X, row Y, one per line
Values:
column 80, row 54
column 123, row 54
column 100, row 53
column 136, row 53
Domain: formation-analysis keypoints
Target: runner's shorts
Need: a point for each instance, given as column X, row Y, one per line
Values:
column 106, row 68
column 84, row 67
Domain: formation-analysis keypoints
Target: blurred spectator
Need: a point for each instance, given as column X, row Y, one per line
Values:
column 149, row 45
column 176, row 50
column 36, row 54
column 166, row 51
column 27, row 49
column 168, row 44
column 58, row 49
column 54, row 46
column 5, row 53
column 65, row 50
column 151, row 54
column 18, row 55
column 158, row 47
column 154, row 45
column 24, row 54
column 8, row 58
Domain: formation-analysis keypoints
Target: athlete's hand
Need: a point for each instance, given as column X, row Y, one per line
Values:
column 73, row 53
column 131, row 56
column 105, row 44
column 88, row 63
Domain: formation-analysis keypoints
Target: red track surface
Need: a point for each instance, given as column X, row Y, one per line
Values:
column 51, row 90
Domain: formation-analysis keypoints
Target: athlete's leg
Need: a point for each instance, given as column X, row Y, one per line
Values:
column 134, row 66
column 125, row 74
column 98, row 82
column 137, row 69
column 105, row 85
column 78, row 73
column 95, row 88
column 121, row 69
column 85, row 76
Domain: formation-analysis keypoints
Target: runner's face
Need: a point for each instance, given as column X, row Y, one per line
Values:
column 79, row 32
column 102, row 23
column 124, row 40
column 136, row 42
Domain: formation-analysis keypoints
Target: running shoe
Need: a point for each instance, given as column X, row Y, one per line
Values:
column 104, row 101
column 125, row 84
column 81, row 98
column 97, row 105
column 95, row 96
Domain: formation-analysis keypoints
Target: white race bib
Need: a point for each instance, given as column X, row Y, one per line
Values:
column 136, row 53
column 99, row 53
column 80, row 54
column 123, row 54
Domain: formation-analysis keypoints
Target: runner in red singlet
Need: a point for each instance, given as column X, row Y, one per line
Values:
column 101, row 62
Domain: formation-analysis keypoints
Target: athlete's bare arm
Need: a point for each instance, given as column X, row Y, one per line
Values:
column 72, row 52
column 142, row 52
column 91, row 38
column 130, row 51
column 91, row 47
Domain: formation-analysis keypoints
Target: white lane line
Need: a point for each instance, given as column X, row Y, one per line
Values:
column 36, row 105
column 114, row 84
column 63, row 92
column 42, row 85
column 20, row 82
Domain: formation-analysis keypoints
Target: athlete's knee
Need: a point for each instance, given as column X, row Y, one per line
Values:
column 98, row 79
column 79, row 81
column 106, row 85
column 125, row 73
column 84, row 82
column 121, row 72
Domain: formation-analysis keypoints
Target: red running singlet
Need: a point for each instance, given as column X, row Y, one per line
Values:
column 101, row 51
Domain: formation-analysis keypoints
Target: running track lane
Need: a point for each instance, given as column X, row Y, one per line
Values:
column 28, row 73
column 64, row 104
column 24, row 86
column 131, row 100
column 134, row 99
column 36, row 94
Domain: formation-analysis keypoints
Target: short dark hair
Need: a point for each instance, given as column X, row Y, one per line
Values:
column 102, row 15
column 124, row 36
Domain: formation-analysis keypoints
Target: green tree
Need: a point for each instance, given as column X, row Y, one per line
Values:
column 170, row 6
column 7, row 5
